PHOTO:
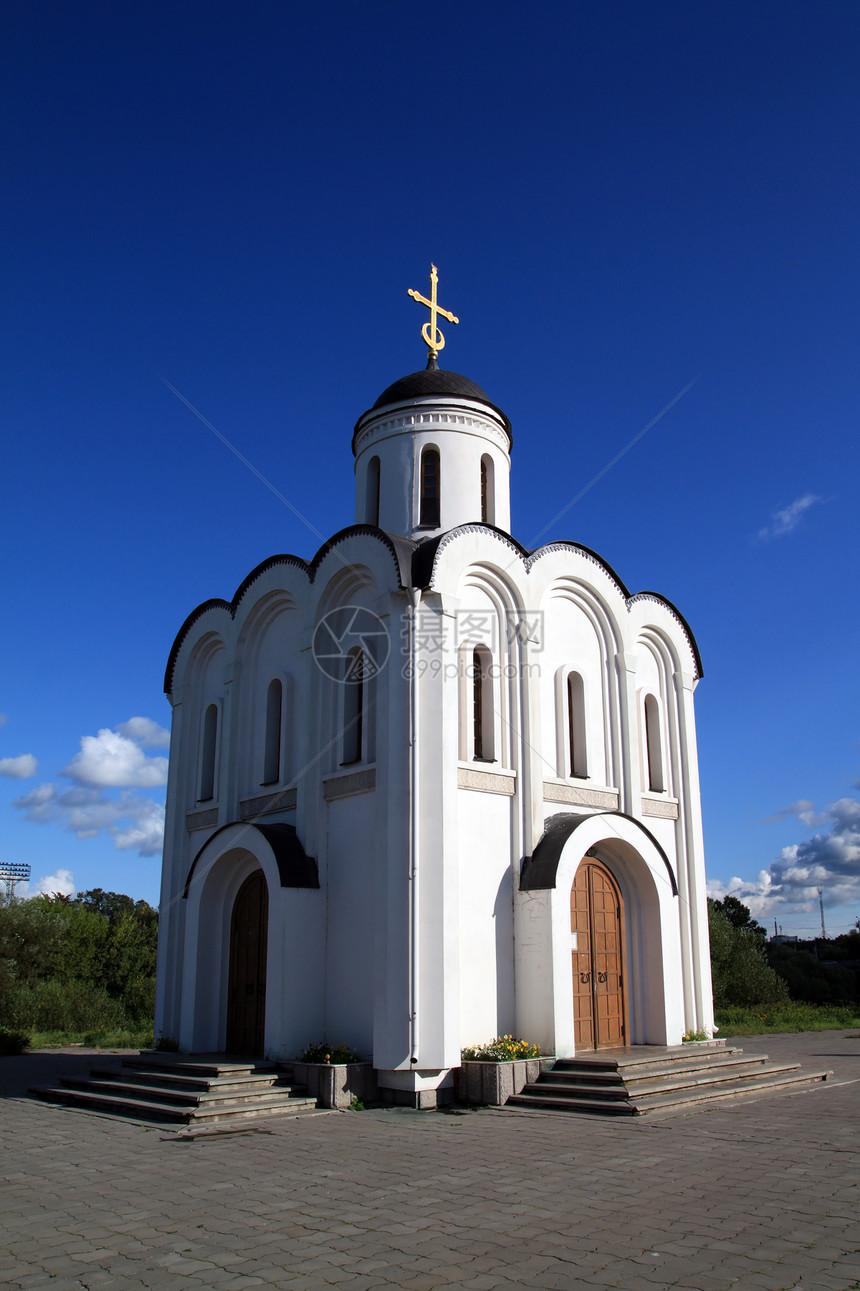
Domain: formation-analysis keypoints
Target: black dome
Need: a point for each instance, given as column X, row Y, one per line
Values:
column 430, row 381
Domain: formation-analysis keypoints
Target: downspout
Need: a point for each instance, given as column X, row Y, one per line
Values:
column 414, row 594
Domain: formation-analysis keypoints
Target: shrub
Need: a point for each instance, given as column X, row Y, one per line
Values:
column 329, row 1054
column 739, row 966
column 12, row 1041
column 505, row 1048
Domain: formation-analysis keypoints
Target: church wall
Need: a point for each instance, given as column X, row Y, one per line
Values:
column 486, row 916
column 340, row 956
column 268, row 650
column 296, row 976
column 395, row 483
column 352, row 854
column 462, row 436
column 573, row 645
column 208, row 669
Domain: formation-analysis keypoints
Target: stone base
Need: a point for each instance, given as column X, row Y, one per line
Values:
column 336, row 1084
column 492, row 1083
column 423, row 1090
column 423, row 1100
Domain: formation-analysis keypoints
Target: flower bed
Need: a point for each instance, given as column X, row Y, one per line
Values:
column 492, row 1083
column 336, row 1084
column 491, row 1072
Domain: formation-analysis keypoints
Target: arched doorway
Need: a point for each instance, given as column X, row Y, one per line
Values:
column 597, row 954
column 246, row 990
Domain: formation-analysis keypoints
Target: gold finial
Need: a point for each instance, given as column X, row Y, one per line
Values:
column 433, row 338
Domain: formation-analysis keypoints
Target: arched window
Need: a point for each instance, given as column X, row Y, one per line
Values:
column 353, row 708
column 482, row 705
column 372, row 507
column 577, row 752
column 429, row 510
column 208, row 754
column 488, row 492
column 653, row 745
column 274, row 718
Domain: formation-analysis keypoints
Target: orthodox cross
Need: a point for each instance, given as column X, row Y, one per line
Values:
column 433, row 337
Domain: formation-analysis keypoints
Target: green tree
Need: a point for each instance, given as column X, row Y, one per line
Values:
column 77, row 965
column 739, row 915
column 31, row 940
column 739, row 967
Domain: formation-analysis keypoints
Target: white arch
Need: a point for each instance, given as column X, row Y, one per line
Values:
column 292, row 1015
column 652, row 939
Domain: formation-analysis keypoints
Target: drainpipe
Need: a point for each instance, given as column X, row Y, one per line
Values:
column 414, row 594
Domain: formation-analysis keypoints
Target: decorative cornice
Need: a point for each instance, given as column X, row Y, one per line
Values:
column 486, row 781
column 427, row 555
column 265, row 804
column 343, row 786
column 438, row 403
column 437, row 418
column 538, row 871
column 676, row 614
column 401, row 550
column 295, row 868
column 580, row 796
column 663, row 808
column 201, row 819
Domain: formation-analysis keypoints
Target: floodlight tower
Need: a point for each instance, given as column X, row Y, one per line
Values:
column 12, row 873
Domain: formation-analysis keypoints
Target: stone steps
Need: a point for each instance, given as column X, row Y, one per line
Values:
column 631, row 1083
column 181, row 1092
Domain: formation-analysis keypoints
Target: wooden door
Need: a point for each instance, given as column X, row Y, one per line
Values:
column 597, row 953
column 246, row 998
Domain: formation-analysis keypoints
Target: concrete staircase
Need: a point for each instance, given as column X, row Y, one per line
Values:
column 178, row 1092
column 642, row 1079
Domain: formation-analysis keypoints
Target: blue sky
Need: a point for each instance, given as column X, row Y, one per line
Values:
column 620, row 198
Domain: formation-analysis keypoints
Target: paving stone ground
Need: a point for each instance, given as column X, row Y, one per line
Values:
column 760, row 1194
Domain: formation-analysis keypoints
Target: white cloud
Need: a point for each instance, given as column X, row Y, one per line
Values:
column 62, row 882
column 101, row 800
column 803, row 809
column 788, row 518
column 145, row 732
column 146, row 834
column 3, row 719
column 830, row 860
column 110, row 760
column 20, row 768
column 133, row 821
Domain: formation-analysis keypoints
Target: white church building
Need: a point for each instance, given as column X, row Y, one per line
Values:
column 430, row 787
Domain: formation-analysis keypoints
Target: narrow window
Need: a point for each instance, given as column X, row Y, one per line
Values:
column 372, row 509
column 488, row 495
column 429, row 511
column 577, row 753
column 207, row 761
column 353, row 708
column 272, row 751
column 482, row 706
column 478, row 704
column 653, row 748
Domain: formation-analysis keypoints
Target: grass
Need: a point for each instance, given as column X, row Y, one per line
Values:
column 106, row 1039
column 768, row 1020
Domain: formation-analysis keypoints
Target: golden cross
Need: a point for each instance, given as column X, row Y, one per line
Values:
column 434, row 339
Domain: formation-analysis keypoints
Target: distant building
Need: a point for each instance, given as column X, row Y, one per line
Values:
column 430, row 787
